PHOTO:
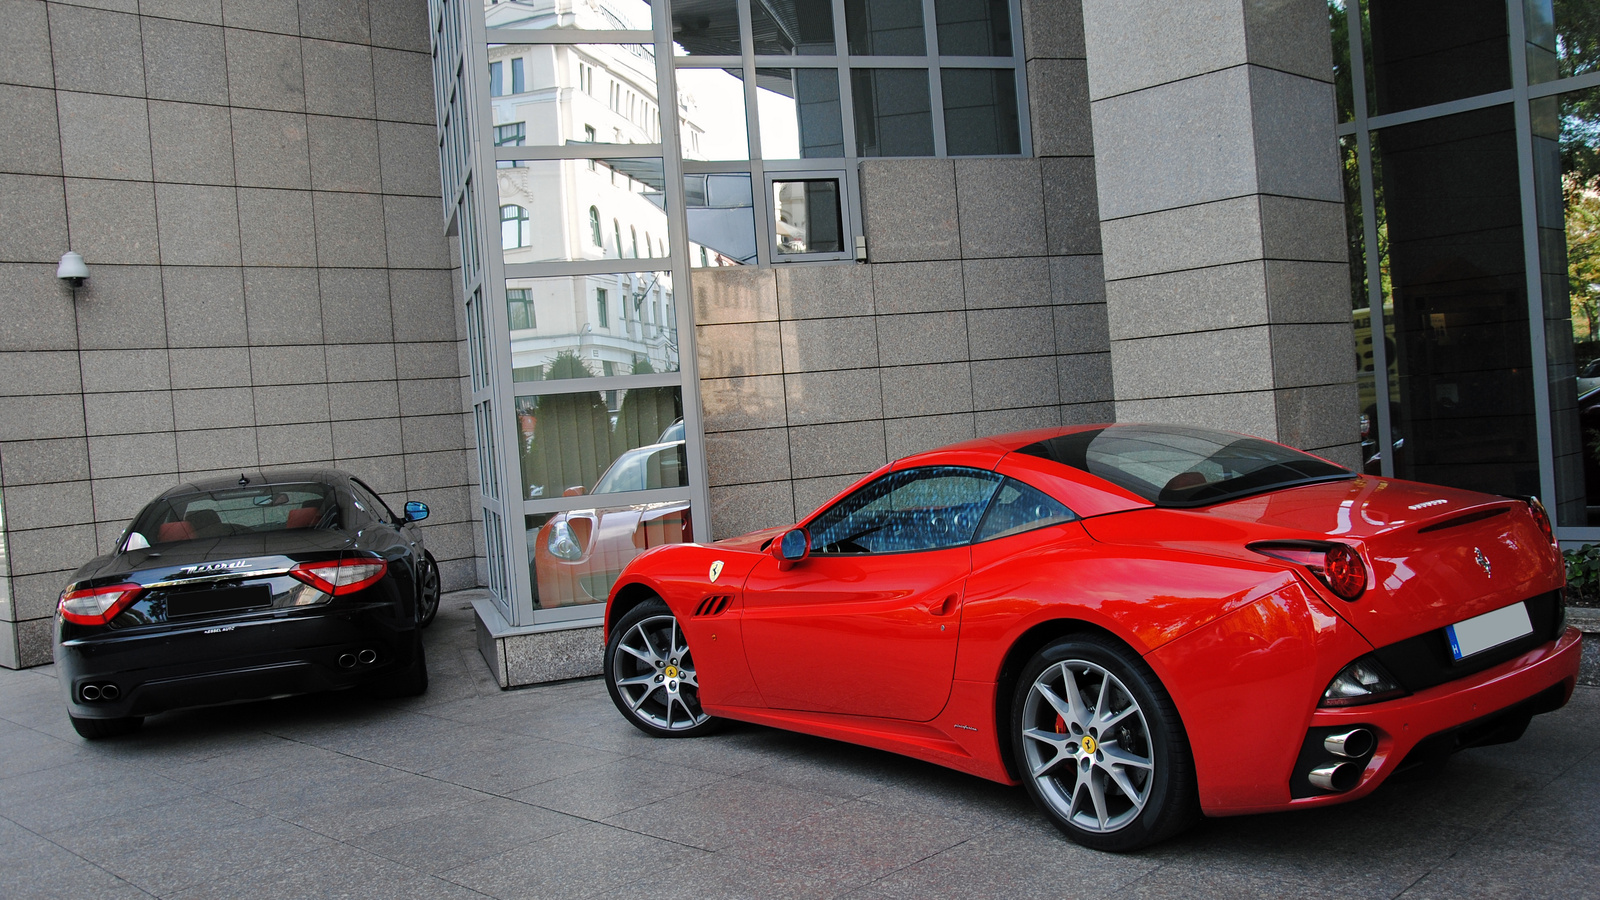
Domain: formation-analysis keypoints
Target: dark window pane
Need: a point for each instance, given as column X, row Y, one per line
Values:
column 799, row 113
column 807, row 216
column 980, row 112
column 1451, row 245
column 1430, row 51
column 790, row 27
column 885, row 27
column 974, row 27
column 706, row 27
column 1343, row 81
column 892, row 113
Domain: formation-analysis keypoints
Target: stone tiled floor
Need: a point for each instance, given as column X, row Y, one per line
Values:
column 547, row 793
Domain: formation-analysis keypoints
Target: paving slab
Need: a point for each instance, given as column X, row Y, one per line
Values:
column 546, row 792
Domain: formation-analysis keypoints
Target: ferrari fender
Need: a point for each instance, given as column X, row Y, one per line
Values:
column 703, row 586
column 1246, row 687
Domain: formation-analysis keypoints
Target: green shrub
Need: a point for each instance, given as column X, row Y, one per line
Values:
column 1583, row 570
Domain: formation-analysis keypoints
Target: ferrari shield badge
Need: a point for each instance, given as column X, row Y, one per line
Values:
column 716, row 570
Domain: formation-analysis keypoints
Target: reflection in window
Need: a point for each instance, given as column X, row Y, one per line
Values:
column 799, row 113
column 792, row 27
column 519, row 309
column 1563, row 39
column 601, row 319
column 712, row 120
column 807, row 216
column 514, row 228
column 980, row 112
column 1018, row 508
column 913, row 509
column 497, row 81
column 594, row 227
column 575, row 557
column 721, row 216
column 706, row 28
column 973, row 27
column 511, row 134
column 892, row 113
column 885, row 27
column 578, row 443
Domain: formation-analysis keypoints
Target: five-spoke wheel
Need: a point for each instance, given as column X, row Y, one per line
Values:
column 651, row 676
column 1100, row 747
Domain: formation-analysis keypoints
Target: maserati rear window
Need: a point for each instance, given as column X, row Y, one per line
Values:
column 1177, row 466
column 255, row 508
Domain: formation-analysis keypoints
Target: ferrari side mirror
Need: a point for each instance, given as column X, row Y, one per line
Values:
column 794, row 546
column 574, row 491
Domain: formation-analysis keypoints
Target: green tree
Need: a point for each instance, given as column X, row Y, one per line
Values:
column 572, row 433
column 645, row 413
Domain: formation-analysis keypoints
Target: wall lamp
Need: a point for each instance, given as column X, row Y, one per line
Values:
column 72, row 270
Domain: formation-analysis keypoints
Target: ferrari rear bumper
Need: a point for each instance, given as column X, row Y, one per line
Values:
column 1446, row 717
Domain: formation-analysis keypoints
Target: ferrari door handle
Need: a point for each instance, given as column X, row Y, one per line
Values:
column 943, row 607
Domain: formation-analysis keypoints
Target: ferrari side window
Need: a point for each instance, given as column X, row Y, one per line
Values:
column 1018, row 508
column 915, row 509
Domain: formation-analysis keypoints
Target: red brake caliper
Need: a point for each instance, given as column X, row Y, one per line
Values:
column 1061, row 724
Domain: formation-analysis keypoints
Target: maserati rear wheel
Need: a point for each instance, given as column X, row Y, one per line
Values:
column 428, row 590
column 1100, row 747
column 651, row 676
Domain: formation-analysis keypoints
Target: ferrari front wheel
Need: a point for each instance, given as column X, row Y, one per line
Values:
column 1100, row 747
column 650, row 674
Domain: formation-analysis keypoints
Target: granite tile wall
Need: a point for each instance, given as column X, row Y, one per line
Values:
column 254, row 188
column 981, row 311
column 1220, row 209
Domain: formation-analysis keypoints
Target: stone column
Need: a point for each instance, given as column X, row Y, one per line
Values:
column 1219, row 192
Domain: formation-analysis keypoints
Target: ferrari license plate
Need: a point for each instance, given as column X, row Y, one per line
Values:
column 1489, row 630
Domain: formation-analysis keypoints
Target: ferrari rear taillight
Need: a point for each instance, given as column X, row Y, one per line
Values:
column 1336, row 565
column 340, row 577
column 97, row 606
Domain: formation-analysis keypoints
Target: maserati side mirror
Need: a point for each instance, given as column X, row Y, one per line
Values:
column 416, row 510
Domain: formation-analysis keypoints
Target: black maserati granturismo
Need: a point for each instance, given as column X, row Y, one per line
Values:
column 262, row 585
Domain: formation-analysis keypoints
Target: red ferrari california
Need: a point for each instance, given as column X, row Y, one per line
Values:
column 1139, row 623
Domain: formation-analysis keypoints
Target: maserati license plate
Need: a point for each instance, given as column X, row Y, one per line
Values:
column 1489, row 630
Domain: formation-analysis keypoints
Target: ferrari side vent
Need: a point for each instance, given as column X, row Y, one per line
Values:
column 1467, row 519
column 713, row 605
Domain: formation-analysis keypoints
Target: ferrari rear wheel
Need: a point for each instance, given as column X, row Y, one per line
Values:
column 1100, row 746
column 651, row 676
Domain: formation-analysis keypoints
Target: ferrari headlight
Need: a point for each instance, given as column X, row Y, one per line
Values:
column 1361, row 682
column 562, row 544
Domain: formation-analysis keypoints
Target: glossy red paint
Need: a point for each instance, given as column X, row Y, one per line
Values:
column 912, row 652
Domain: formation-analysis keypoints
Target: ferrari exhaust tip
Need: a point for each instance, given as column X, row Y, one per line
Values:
column 347, row 661
column 109, row 692
column 1355, row 743
column 1337, row 777
column 90, row 692
column 367, row 657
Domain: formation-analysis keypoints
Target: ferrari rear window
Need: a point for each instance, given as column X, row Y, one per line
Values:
column 1177, row 466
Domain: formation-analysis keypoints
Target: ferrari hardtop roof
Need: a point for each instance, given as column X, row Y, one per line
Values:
column 258, row 477
column 995, row 446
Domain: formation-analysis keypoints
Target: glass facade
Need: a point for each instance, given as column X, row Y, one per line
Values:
column 617, row 145
column 1470, row 143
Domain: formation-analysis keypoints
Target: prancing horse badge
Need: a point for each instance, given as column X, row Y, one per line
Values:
column 1482, row 561
column 716, row 569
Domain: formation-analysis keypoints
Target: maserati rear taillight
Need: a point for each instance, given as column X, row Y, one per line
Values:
column 1336, row 565
column 97, row 606
column 340, row 577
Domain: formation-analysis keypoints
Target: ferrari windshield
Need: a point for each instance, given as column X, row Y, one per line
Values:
column 1171, row 465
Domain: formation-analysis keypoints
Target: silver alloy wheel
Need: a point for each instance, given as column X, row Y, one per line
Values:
column 655, row 675
column 1087, row 746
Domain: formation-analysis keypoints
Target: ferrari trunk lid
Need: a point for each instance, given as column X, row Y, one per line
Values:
column 1435, row 555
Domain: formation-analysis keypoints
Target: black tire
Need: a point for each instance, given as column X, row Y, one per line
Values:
column 663, row 699
column 427, row 590
column 1135, row 786
column 96, row 729
column 411, row 681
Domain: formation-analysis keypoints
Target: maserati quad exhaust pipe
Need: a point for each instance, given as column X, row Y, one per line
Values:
column 347, row 661
column 109, row 692
column 367, row 657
